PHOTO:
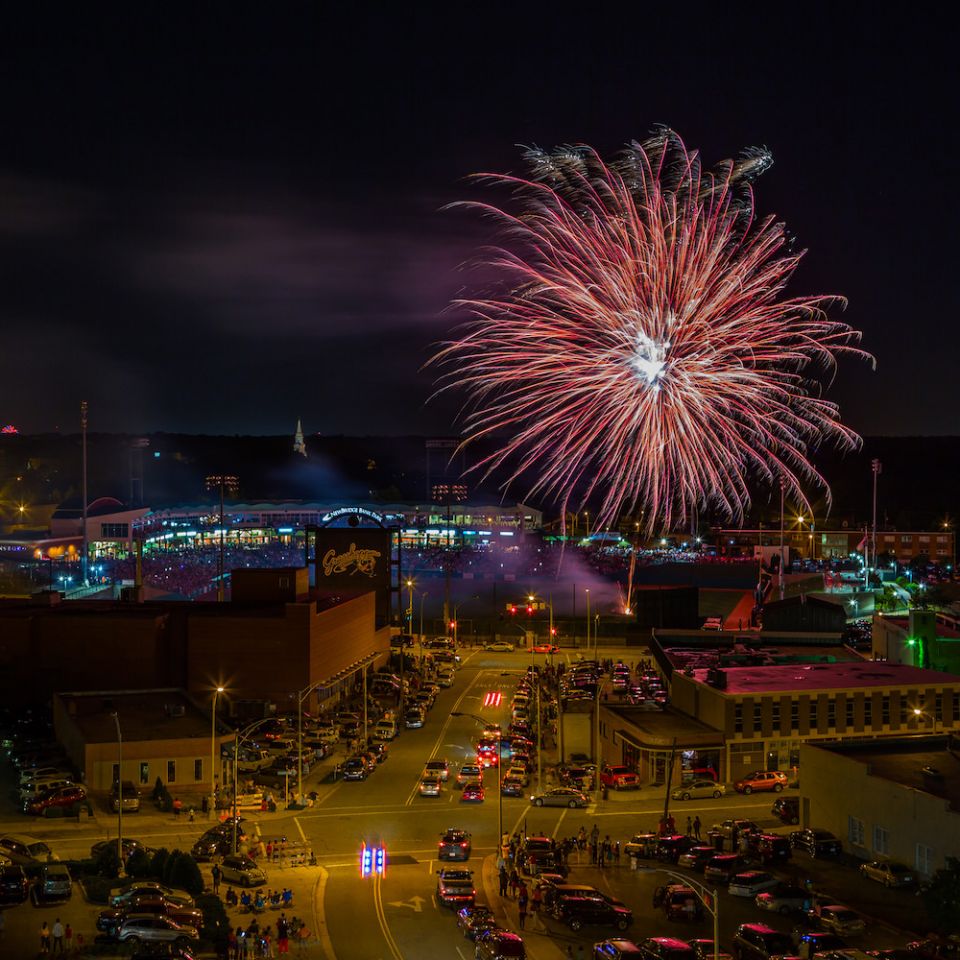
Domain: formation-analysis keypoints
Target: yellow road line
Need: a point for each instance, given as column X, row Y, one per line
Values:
column 382, row 920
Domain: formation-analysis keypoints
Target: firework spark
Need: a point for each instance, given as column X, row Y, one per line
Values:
column 642, row 350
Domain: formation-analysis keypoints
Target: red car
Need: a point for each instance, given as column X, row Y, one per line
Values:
column 544, row 648
column 472, row 794
column 59, row 797
column 619, row 777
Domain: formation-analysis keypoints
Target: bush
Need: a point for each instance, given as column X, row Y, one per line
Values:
column 158, row 789
column 216, row 923
column 107, row 862
column 139, row 865
column 158, row 863
column 182, row 872
column 97, row 889
column 164, row 800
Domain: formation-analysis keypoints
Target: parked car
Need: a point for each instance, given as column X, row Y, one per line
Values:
column 696, row 858
column 698, row 790
column 119, row 896
column 666, row 948
column 243, row 871
column 616, row 949
column 887, row 872
column 809, row 944
column 678, row 901
column 750, row 883
column 818, row 843
column 512, row 787
column 148, row 928
column 109, row 920
column 455, row 888
column 454, row 845
column 354, row 768
column 837, row 919
column 784, row 898
column 36, row 788
column 761, row 780
column 14, row 885
column 471, row 920
column 722, row 868
column 500, row 646
column 130, row 846
column 64, row 797
column 560, row 797
column 500, row 945
column 619, row 777
column 213, row 843
column 771, row 848
column 786, row 809
column 577, row 912
column 555, row 893
column 19, row 848
column 127, row 794
column 670, row 848
column 54, row 885
column 757, row 941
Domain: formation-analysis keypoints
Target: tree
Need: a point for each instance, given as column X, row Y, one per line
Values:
column 216, row 923
column 106, row 862
column 941, row 897
column 139, row 865
column 182, row 872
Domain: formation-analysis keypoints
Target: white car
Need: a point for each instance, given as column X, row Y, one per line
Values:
column 750, row 883
column 500, row 646
column 430, row 786
column 698, row 790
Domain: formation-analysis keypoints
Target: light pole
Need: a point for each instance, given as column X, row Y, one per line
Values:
column 116, row 720
column 596, row 756
column 213, row 751
column 239, row 738
column 420, row 634
column 877, row 467
column 588, row 620
column 706, row 896
column 410, row 605
column 483, row 723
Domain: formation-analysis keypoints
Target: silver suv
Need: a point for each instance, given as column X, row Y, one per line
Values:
column 143, row 928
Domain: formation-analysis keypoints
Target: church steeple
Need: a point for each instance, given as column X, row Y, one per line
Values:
column 299, row 444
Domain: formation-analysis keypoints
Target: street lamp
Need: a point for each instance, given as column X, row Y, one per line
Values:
column 213, row 751
column 410, row 606
column 239, row 738
column 116, row 720
column 483, row 723
column 423, row 596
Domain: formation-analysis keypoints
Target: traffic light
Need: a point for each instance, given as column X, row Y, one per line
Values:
column 513, row 610
column 529, row 610
column 553, row 631
column 453, row 624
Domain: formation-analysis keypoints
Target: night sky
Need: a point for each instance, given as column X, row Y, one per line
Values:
column 226, row 222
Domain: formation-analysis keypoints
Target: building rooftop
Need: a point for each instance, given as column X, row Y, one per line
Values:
column 904, row 761
column 659, row 729
column 827, row 676
column 164, row 714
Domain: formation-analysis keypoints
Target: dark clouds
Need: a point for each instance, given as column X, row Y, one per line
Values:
column 223, row 222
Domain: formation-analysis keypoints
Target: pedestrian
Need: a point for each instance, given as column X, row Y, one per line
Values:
column 601, row 855
column 689, row 826
column 215, row 877
column 44, row 937
column 266, row 940
column 582, row 839
column 616, row 853
column 514, row 882
column 696, row 826
column 177, row 807
column 535, row 902
column 57, row 932
column 504, row 880
column 233, row 944
column 283, row 935
column 522, row 901
column 595, row 833
column 67, row 936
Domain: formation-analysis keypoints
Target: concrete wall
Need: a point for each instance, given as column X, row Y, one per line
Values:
column 836, row 788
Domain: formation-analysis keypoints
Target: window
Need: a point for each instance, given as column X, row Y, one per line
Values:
column 903, row 709
column 956, row 706
column 855, row 831
column 813, row 711
column 757, row 717
column 906, row 538
column 116, row 773
column 795, row 715
column 885, row 709
column 938, row 706
column 941, row 539
column 114, row 530
column 144, row 773
column 924, row 539
column 738, row 718
column 924, row 860
column 171, row 771
column 868, row 711
column 881, row 840
column 776, row 714
column 831, row 713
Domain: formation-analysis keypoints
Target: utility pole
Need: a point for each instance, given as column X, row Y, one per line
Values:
column 83, row 483
column 877, row 467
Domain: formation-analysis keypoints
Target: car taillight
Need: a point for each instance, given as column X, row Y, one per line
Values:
column 464, row 843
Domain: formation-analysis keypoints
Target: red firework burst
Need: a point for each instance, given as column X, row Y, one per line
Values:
column 642, row 349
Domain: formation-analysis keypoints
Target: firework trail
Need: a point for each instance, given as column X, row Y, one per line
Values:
column 642, row 350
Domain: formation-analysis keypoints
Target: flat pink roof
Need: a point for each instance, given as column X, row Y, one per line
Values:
column 828, row 676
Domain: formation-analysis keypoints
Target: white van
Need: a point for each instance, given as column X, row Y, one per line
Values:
column 42, row 785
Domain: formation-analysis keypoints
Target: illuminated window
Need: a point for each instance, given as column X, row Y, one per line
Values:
column 924, row 859
column 171, row 771
column 144, row 773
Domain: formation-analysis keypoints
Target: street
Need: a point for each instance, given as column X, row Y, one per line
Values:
column 398, row 916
